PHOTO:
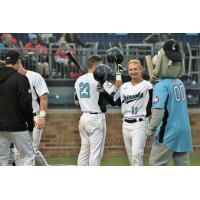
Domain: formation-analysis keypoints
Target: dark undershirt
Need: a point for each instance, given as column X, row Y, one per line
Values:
column 105, row 98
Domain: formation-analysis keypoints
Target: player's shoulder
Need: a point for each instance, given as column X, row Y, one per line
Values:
column 147, row 84
column 20, row 77
column 81, row 79
column 126, row 85
column 34, row 75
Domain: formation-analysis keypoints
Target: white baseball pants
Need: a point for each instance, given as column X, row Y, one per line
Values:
column 23, row 142
column 39, row 158
column 134, row 140
column 92, row 129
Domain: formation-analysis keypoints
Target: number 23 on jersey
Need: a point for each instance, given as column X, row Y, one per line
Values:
column 84, row 90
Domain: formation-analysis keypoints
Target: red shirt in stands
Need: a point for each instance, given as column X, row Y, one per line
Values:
column 61, row 54
column 37, row 49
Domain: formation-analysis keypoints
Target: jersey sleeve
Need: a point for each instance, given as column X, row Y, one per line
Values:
column 160, row 95
column 117, row 94
column 109, row 87
column 149, row 86
column 40, row 86
column 117, row 98
column 76, row 89
column 75, row 95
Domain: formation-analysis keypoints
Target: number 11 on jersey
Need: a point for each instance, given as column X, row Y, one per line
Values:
column 134, row 110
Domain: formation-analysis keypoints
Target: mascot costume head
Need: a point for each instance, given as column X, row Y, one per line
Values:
column 169, row 61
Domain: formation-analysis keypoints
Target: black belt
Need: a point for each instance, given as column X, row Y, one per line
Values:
column 133, row 120
column 93, row 113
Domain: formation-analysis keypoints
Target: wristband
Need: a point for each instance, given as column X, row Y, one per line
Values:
column 118, row 76
column 43, row 114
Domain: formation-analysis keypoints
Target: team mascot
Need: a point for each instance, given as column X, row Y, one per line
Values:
column 169, row 122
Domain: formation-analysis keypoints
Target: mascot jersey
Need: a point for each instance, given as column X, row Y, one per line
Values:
column 174, row 131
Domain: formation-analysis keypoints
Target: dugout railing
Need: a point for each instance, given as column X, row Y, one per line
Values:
column 64, row 75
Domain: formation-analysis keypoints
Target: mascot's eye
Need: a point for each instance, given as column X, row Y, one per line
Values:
column 174, row 47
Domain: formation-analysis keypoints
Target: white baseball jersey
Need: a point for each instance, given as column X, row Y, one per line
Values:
column 88, row 96
column 134, row 99
column 38, row 87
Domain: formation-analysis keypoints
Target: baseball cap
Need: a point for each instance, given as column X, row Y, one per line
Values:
column 32, row 37
column 12, row 56
column 172, row 50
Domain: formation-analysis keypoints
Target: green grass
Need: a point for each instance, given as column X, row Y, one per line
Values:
column 111, row 161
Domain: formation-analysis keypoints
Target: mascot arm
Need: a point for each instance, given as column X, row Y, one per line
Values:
column 156, row 119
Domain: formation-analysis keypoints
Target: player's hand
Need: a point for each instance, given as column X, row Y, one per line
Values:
column 40, row 122
column 149, row 132
column 118, row 75
column 118, row 83
column 100, row 87
column 154, row 79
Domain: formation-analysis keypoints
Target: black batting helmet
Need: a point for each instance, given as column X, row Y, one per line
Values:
column 102, row 73
column 115, row 55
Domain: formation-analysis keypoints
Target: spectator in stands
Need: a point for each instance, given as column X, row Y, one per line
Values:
column 38, row 53
column 44, row 38
column 157, row 39
column 47, row 38
column 61, row 56
column 72, row 38
column 13, row 39
column 7, row 42
column 67, row 68
column 62, row 60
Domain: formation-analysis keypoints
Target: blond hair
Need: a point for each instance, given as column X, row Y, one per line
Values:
column 135, row 61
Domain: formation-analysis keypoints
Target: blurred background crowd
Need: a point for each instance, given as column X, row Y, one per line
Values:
column 45, row 53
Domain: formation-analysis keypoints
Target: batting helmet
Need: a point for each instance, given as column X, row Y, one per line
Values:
column 115, row 55
column 102, row 73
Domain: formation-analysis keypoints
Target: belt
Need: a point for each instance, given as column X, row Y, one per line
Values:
column 133, row 120
column 92, row 113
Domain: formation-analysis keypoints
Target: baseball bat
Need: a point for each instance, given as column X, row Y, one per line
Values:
column 73, row 59
column 149, row 65
column 2, row 63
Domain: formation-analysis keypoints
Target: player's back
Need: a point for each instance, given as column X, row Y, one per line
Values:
column 86, row 90
column 38, row 87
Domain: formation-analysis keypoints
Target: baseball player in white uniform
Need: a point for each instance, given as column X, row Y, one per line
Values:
column 39, row 103
column 92, row 124
column 135, row 98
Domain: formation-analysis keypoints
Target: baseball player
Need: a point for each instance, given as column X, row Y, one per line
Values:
column 16, row 114
column 39, row 102
column 135, row 98
column 92, row 124
column 170, row 121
